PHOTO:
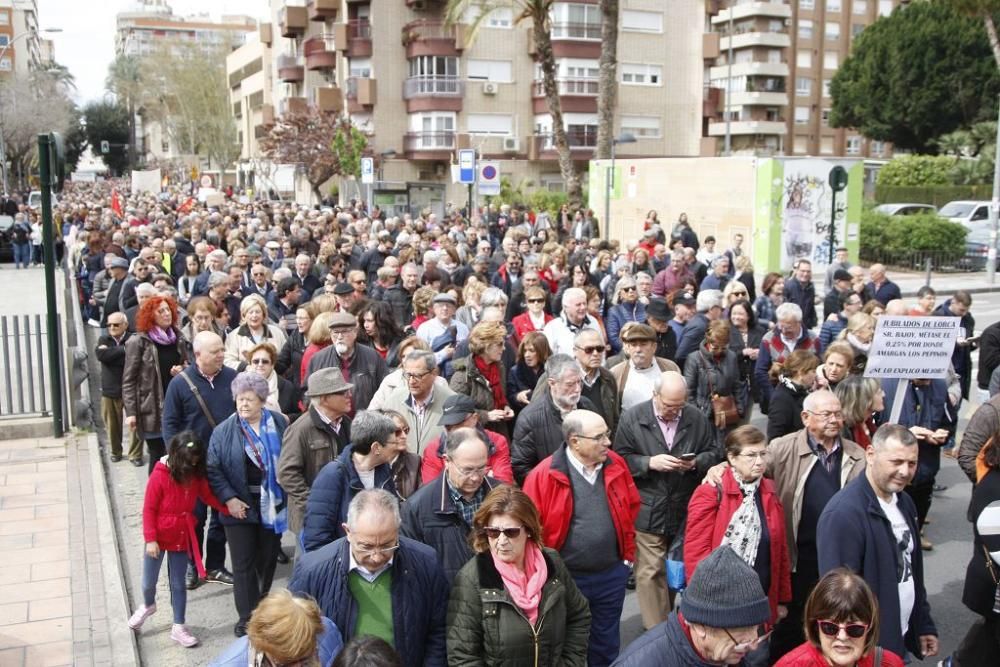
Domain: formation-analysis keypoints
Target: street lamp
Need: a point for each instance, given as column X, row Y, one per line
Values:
column 609, row 181
column 3, row 143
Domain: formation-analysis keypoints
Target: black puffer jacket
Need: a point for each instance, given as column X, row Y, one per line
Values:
column 485, row 627
column 538, row 434
column 430, row 516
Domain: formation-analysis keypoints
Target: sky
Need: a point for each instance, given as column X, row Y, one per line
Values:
column 87, row 42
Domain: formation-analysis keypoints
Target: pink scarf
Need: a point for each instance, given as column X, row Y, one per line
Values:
column 525, row 588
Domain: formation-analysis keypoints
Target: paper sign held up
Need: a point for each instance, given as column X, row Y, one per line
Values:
column 912, row 347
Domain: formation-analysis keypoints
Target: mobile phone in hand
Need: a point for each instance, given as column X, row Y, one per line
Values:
column 690, row 456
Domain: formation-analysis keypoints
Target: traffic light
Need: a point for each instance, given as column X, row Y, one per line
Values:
column 105, row 147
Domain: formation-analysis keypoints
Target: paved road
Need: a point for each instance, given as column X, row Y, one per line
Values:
column 211, row 612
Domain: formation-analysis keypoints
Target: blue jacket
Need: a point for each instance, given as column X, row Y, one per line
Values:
column 331, row 493
column 329, row 642
column 694, row 336
column 419, row 596
column 227, row 473
column 854, row 532
column 713, row 281
column 830, row 330
column 181, row 409
column 619, row 316
column 664, row 645
column 805, row 297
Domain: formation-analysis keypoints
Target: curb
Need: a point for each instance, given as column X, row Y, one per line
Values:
column 124, row 646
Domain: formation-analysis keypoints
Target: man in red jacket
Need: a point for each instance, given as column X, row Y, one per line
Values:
column 588, row 504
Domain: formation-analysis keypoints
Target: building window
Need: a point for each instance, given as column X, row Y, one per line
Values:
column 434, row 66
column 4, row 18
column 807, row 4
column 833, row 5
column 501, row 17
column 884, row 7
column 4, row 40
column 826, row 146
column 801, row 115
column 805, row 29
column 571, row 21
column 803, row 86
column 636, row 21
column 361, row 67
column 825, row 117
column 498, row 71
column 860, row 7
column 853, row 145
column 433, row 129
column 832, row 31
column 830, row 59
column 803, row 58
column 877, row 148
column 826, row 87
column 489, row 123
column 800, row 145
column 642, row 75
column 642, row 127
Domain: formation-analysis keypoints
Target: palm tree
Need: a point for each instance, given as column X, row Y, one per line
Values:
column 607, row 85
column 124, row 81
column 537, row 12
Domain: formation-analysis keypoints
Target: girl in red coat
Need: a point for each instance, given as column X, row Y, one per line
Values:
column 177, row 482
column 747, row 515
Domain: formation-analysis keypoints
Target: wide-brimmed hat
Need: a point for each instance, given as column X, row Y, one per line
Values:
column 327, row 381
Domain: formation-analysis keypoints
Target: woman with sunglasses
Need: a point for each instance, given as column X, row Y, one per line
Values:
column 627, row 308
column 515, row 602
column 282, row 395
column 535, row 318
column 405, row 464
column 746, row 514
column 483, row 377
column 841, row 626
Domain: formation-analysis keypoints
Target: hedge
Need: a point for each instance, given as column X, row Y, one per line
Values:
column 888, row 235
column 938, row 195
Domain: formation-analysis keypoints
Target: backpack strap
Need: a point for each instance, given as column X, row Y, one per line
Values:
column 201, row 401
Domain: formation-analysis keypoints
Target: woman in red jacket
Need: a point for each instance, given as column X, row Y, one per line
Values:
column 177, row 482
column 747, row 515
column 533, row 319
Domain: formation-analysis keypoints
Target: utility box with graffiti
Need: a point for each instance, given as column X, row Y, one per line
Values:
column 781, row 206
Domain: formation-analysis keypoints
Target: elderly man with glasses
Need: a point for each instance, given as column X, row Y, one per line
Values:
column 360, row 365
column 588, row 505
column 111, row 353
column 372, row 577
column 419, row 399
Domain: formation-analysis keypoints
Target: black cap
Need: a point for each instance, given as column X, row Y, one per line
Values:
column 841, row 274
column 343, row 289
column 286, row 285
column 684, row 299
column 658, row 309
column 456, row 410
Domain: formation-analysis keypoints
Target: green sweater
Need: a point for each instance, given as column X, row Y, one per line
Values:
column 374, row 605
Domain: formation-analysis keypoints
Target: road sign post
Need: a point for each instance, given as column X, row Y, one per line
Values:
column 467, row 172
column 50, row 172
column 838, row 182
column 368, row 178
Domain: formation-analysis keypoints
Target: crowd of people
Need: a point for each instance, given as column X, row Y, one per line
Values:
column 478, row 434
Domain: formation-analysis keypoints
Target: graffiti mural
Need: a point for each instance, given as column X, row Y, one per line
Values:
column 805, row 215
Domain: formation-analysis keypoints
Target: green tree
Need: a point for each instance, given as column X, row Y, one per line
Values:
column 124, row 81
column 915, row 75
column 537, row 13
column 75, row 140
column 108, row 121
column 917, row 170
column 349, row 145
column 986, row 11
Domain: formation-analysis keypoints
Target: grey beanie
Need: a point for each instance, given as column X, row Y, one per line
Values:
column 725, row 592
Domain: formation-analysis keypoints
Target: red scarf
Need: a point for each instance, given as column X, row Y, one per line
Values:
column 492, row 374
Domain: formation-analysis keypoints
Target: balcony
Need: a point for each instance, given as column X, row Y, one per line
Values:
column 328, row 99
column 428, row 37
column 710, row 46
column 293, row 105
column 290, row 69
column 582, row 142
column 319, row 52
column 744, row 10
column 576, row 40
column 429, row 145
column 759, row 98
column 359, row 38
column 293, row 21
column 750, row 69
column 321, row 10
column 774, row 40
column 712, row 102
column 576, row 95
column 743, row 127
column 361, row 93
column 433, row 93
column 266, row 34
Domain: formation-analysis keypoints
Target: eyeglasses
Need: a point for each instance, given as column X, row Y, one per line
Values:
column 600, row 437
column 260, row 362
column 411, row 377
column 832, row 628
column 294, row 663
column 358, row 282
column 738, row 294
column 370, row 550
column 510, row 533
column 479, row 471
column 403, row 431
column 746, row 645
column 827, row 416
column 591, row 349
column 536, row 300
column 628, row 289
column 754, row 456
column 116, row 324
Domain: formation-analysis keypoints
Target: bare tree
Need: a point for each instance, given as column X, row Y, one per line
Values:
column 30, row 106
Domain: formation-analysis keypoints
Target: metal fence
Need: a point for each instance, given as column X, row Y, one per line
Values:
column 23, row 359
column 939, row 262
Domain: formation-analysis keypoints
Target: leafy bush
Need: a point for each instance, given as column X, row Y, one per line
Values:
column 911, row 170
column 884, row 235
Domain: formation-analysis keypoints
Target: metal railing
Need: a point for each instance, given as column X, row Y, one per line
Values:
column 568, row 30
column 419, row 86
column 428, row 141
column 359, row 29
column 971, row 261
column 566, row 86
column 578, row 139
column 23, row 390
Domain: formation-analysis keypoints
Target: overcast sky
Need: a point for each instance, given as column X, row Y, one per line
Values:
column 87, row 42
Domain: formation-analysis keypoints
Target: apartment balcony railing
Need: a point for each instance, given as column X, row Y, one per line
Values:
column 290, row 68
column 361, row 91
column 421, row 86
column 320, row 53
column 432, row 37
column 578, row 139
column 321, row 10
column 568, row 30
column 585, row 86
column 415, row 142
column 359, row 29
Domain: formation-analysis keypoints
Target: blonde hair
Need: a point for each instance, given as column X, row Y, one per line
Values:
column 285, row 627
column 485, row 334
column 472, row 291
column 319, row 330
column 422, row 300
column 251, row 300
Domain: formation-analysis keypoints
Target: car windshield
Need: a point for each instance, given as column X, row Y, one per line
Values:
column 956, row 210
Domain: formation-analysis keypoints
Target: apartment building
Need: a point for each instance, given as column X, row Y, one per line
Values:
column 20, row 41
column 770, row 77
column 421, row 89
column 145, row 26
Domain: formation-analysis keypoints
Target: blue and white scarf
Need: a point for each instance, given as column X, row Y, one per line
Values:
column 263, row 451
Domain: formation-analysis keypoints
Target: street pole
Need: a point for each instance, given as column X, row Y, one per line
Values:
column 833, row 223
column 991, row 257
column 727, row 148
column 608, row 186
column 52, row 330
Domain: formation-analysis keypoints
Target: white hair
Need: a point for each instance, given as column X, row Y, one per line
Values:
column 708, row 299
column 788, row 311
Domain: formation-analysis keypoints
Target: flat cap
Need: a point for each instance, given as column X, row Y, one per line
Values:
column 634, row 332
column 342, row 319
column 343, row 289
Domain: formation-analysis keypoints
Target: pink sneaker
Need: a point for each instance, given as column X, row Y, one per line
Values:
column 140, row 616
column 183, row 636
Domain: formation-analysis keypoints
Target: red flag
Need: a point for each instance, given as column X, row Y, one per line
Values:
column 186, row 206
column 116, row 204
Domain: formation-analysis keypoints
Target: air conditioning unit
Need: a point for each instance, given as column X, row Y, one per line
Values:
column 511, row 145
column 489, row 88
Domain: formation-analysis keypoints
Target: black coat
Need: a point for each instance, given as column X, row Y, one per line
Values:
column 980, row 588
column 430, row 517
column 693, row 337
column 112, row 359
column 665, row 495
column 538, row 434
column 367, row 370
column 784, row 415
column 402, row 305
column 289, row 363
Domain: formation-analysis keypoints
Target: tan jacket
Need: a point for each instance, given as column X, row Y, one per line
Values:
column 791, row 462
column 984, row 423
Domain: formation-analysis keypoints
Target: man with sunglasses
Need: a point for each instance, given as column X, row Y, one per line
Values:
column 315, row 440
column 440, row 513
column 718, row 622
column 588, row 504
column 372, row 578
column 111, row 353
column 871, row 527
